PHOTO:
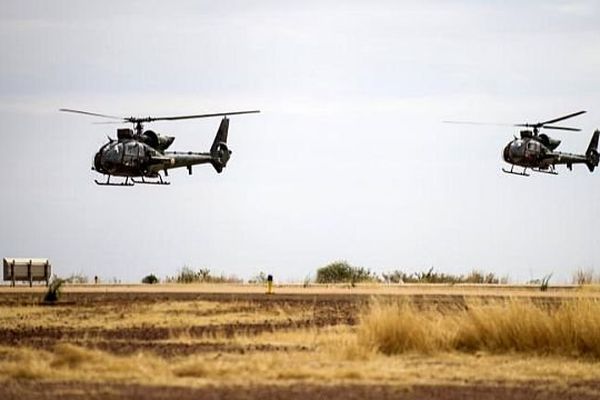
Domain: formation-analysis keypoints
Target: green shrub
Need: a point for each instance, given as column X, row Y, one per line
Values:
column 54, row 290
column 545, row 282
column 481, row 277
column 432, row 276
column 186, row 275
column 150, row 279
column 202, row 275
column 342, row 272
column 396, row 276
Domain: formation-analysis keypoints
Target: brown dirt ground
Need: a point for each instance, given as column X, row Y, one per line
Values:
column 82, row 390
column 328, row 309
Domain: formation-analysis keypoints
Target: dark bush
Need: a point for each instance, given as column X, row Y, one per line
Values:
column 480, row 277
column 342, row 272
column 150, row 279
column 53, row 293
column 432, row 276
column 203, row 275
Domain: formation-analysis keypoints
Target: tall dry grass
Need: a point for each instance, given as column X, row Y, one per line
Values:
column 518, row 325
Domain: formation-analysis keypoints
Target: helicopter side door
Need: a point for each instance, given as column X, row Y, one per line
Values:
column 133, row 154
column 532, row 150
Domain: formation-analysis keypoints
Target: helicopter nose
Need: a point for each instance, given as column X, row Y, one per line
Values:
column 96, row 166
column 506, row 154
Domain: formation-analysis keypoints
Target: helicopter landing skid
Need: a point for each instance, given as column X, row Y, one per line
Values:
column 108, row 183
column 523, row 173
column 550, row 171
column 145, row 182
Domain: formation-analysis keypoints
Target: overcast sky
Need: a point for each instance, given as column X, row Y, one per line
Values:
column 348, row 159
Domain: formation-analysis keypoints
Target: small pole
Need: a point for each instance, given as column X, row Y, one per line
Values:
column 47, row 272
column 12, row 272
column 29, row 274
column 270, row 284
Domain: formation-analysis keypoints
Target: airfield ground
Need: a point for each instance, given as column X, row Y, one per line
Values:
column 235, row 342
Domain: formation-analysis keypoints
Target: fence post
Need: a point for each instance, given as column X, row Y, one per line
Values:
column 47, row 272
column 29, row 274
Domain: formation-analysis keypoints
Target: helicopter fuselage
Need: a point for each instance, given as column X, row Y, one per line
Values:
column 133, row 158
column 527, row 153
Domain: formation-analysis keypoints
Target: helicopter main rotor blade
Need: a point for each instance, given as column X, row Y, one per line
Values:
column 91, row 113
column 150, row 119
column 528, row 125
column 562, row 128
column 561, row 118
column 477, row 123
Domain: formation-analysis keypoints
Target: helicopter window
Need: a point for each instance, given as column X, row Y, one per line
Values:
column 516, row 145
column 532, row 146
column 131, row 149
column 113, row 153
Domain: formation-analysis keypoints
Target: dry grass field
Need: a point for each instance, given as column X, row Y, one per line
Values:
column 336, row 342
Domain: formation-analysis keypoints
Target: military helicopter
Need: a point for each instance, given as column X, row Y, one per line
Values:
column 142, row 154
column 536, row 151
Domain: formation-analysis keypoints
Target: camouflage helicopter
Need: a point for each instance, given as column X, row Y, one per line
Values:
column 142, row 154
column 536, row 151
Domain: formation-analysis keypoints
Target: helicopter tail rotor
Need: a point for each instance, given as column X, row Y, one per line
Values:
column 219, row 151
column 592, row 152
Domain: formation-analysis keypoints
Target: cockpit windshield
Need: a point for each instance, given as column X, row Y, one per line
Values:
column 517, row 144
column 113, row 153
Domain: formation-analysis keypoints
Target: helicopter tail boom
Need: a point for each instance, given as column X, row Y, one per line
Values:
column 591, row 154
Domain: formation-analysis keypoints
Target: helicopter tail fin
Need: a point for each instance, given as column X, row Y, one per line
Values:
column 592, row 152
column 219, row 151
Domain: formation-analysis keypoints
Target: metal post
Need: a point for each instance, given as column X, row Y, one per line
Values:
column 47, row 272
column 29, row 274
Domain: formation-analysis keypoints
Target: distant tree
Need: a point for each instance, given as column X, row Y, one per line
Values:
column 342, row 272
column 186, row 275
column 204, row 274
column 396, row 276
column 150, row 279
column 583, row 276
column 77, row 278
column 261, row 277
